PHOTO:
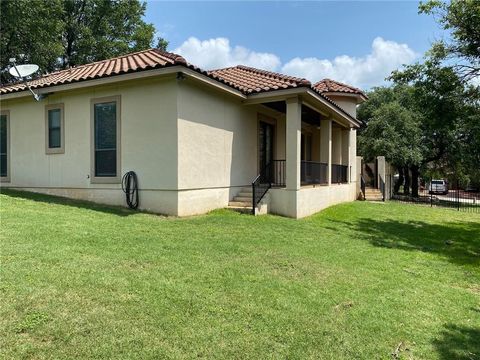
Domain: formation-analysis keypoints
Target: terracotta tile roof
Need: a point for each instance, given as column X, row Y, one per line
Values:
column 142, row 60
column 328, row 85
column 250, row 80
column 245, row 79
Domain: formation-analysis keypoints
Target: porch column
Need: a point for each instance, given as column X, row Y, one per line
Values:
column 293, row 139
column 326, row 146
column 337, row 146
column 346, row 151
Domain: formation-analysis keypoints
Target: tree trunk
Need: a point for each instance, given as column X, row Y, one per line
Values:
column 406, row 187
column 415, row 175
column 399, row 181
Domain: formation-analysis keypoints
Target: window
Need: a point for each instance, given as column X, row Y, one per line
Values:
column 5, row 146
column 54, row 129
column 106, row 140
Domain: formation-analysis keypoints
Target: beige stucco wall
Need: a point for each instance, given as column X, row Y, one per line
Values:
column 217, row 147
column 148, row 144
column 309, row 200
column 346, row 102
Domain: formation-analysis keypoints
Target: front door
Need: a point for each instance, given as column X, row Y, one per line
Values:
column 265, row 147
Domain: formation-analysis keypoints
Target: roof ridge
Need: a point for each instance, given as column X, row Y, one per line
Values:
column 170, row 55
column 338, row 83
column 175, row 57
column 276, row 74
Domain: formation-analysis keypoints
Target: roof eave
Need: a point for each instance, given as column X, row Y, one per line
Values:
column 283, row 94
column 360, row 97
column 135, row 75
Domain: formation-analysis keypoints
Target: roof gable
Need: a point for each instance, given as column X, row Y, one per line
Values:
column 332, row 86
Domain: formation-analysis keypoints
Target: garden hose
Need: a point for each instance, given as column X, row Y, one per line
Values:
column 130, row 188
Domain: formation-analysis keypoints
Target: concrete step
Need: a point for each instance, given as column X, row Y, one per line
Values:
column 241, row 203
column 374, row 198
column 245, row 194
column 241, row 209
column 247, row 189
column 243, row 198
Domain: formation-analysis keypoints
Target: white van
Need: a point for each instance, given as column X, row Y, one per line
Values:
column 438, row 187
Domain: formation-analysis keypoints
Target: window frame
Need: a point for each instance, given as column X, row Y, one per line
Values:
column 6, row 179
column 105, row 179
column 61, row 149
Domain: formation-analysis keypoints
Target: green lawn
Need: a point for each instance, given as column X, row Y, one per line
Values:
column 356, row 281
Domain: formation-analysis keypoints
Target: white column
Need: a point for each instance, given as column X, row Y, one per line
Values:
column 326, row 146
column 353, row 156
column 337, row 146
column 293, row 139
column 346, row 150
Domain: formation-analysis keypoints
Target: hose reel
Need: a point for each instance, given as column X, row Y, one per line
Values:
column 130, row 188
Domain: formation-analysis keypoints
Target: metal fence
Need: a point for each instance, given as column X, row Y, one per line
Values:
column 439, row 193
column 339, row 174
column 312, row 172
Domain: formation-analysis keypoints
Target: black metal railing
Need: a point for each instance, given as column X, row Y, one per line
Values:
column 273, row 174
column 339, row 174
column 312, row 172
column 362, row 185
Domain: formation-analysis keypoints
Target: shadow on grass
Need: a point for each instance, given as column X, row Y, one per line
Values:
column 458, row 342
column 82, row 204
column 457, row 241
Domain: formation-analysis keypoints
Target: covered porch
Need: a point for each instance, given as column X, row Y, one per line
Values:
column 306, row 148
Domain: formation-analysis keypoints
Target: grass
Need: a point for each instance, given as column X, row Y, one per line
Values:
column 356, row 281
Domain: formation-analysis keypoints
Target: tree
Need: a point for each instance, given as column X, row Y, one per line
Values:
column 439, row 91
column 392, row 130
column 30, row 33
column 100, row 29
column 58, row 34
column 444, row 93
column 462, row 20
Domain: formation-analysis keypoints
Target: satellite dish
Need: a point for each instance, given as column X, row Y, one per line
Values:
column 23, row 70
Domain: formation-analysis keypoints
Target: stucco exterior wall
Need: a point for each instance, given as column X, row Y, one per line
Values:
column 346, row 102
column 309, row 200
column 148, row 144
column 217, row 147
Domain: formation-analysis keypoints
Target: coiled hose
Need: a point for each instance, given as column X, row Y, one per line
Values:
column 130, row 188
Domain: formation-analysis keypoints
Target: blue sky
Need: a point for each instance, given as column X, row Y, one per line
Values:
column 358, row 42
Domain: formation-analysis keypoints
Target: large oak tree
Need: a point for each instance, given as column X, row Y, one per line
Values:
column 57, row 34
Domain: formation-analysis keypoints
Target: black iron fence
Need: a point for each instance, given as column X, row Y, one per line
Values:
column 438, row 193
column 339, row 173
column 312, row 172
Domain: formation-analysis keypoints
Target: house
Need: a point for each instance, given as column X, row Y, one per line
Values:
column 196, row 139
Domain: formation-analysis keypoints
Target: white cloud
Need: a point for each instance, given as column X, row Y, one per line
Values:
column 217, row 53
column 365, row 72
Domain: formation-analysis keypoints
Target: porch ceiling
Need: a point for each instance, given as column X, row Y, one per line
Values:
column 309, row 115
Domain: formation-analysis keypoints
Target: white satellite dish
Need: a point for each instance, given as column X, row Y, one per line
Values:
column 23, row 70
